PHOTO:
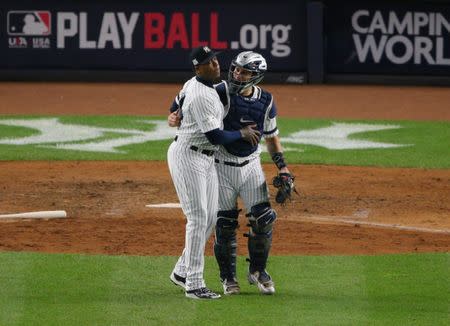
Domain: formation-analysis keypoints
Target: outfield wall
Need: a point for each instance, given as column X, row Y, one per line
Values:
column 304, row 41
column 394, row 41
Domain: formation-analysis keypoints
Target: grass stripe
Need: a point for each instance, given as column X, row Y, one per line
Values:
column 43, row 289
column 428, row 143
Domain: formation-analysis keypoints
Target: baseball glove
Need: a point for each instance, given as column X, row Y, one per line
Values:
column 284, row 182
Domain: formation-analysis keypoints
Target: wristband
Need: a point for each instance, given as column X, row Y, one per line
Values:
column 278, row 159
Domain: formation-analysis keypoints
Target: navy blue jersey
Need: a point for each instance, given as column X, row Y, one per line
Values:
column 257, row 108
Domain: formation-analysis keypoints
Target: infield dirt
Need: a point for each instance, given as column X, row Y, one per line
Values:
column 340, row 210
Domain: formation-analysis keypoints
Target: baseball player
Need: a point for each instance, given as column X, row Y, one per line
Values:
column 240, row 173
column 191, row 165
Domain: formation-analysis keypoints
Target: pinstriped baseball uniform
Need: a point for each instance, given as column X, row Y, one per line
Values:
column 194, row 175
column 246, row 180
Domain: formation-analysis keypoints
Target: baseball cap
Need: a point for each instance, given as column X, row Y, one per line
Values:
column 201, row 55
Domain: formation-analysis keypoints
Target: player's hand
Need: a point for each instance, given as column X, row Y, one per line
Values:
column 174, row 119
column 250, row 135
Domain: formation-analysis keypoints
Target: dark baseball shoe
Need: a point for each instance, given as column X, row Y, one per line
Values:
column 263, row 281
column 230, row 286
column 178, row 280
column 202, row 294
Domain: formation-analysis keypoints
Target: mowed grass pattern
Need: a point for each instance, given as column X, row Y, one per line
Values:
column 55, row 289
column 427, row 143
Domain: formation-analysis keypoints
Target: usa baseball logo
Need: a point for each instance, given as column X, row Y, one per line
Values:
column 29, row 23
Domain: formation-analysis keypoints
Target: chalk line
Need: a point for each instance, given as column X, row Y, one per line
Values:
column 364, row 213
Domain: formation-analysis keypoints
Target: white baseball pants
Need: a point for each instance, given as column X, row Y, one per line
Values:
column 195, row 179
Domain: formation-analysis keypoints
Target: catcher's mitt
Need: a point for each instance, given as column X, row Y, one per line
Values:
column 284, row 182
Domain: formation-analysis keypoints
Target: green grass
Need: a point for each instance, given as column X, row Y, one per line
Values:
column 54, row 289
column 428, row 143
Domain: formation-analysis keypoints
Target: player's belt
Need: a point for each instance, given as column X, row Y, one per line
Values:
column 238, row 165
column 203, row 151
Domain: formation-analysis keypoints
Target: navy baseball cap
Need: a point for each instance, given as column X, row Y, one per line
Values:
column 202, row 55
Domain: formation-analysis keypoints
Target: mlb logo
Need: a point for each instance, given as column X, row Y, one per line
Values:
column 29, row 23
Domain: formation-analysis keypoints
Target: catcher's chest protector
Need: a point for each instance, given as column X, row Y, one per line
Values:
column 242, row 110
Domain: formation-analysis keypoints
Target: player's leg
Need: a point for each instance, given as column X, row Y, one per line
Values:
column 253, row 187
column 178, row 275
column 189, row 173
column 225, row 244
column 179, row 272
column 261, row 220
column 196, row 213
column 261, row 217
column 212, row 192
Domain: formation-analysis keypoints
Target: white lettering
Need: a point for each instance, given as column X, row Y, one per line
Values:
column 64, row 32
column 263, row 29
column 408, row 38
column 423, row 47
column 249, row 42
column 280, row 35
column 420, row 20
column 396, row 26
column 109, row 31
column 71, row 24
column 412, row 23
column 362, row 50
column 440, row 60
column 252, row 36
column 390, row 49
column 355, row 23
column 441, row 21
column 377, row 23
column 432, row 25
column 84, row 42
column 128, row 27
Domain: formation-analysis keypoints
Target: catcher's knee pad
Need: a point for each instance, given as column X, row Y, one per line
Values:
column 225, row 244
column 261, row 219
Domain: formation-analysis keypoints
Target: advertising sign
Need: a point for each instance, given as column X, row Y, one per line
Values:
column 388, row 39
column 148, row 36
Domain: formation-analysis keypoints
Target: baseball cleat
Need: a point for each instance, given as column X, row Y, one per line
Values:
column 263, row 281
column 178, row 280
column 230, row 286
column 202, row 294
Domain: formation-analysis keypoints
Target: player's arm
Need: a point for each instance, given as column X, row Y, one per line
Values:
column 222, row 91
column 175, row 106
column 174, row 119
column 276, row 153
column 205, row 114
column 175, row 116
column 217, row 136
column 272, row 140
column 178, row 101
column 222, row 137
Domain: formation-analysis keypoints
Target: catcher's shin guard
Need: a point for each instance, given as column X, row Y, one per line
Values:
column 261, row 219
column 225, row 244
